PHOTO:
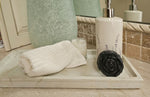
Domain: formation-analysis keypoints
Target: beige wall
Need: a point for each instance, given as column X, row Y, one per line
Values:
column 143, row 5
column 103, row 5
column 119, row 6
column 0, row 22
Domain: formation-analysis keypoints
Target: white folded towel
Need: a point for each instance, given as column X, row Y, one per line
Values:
column 51, row 59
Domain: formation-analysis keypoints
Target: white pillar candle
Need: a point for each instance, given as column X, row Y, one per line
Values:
column 80, row 44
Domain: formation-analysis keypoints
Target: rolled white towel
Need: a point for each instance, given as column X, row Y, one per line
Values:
column 51, row 59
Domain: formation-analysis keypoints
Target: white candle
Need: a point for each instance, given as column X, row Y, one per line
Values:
column 80, row 44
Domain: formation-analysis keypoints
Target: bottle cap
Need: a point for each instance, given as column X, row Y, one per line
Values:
column 108, row 12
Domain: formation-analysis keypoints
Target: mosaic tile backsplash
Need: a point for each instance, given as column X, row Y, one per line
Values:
column 135, row 44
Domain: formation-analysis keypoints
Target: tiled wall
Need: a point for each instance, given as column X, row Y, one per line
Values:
column 135, row 44
column 87, row 31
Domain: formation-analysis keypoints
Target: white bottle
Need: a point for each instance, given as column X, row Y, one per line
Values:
column 109, row 32
column 133, row 14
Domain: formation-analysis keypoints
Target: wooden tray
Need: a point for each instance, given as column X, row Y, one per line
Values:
column 87, row 76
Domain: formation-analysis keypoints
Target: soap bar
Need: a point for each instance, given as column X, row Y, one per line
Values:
column 90, row 8
column 51, row 21
column 110, row 63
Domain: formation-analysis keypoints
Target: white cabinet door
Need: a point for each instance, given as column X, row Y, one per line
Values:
column 14, row 25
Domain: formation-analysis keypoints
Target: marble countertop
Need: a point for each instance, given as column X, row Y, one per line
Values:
column 142, row 68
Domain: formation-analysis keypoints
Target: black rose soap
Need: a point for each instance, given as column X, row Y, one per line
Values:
column 110, row 63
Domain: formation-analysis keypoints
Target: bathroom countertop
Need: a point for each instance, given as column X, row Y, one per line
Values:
column 142, row 67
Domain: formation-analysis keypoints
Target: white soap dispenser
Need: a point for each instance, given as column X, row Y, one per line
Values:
column 109, row 31
column 133, row 14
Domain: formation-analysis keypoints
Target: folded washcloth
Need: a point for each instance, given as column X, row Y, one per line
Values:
column 51, row 59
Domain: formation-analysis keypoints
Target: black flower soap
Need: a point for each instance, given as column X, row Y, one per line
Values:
column 110, row 63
